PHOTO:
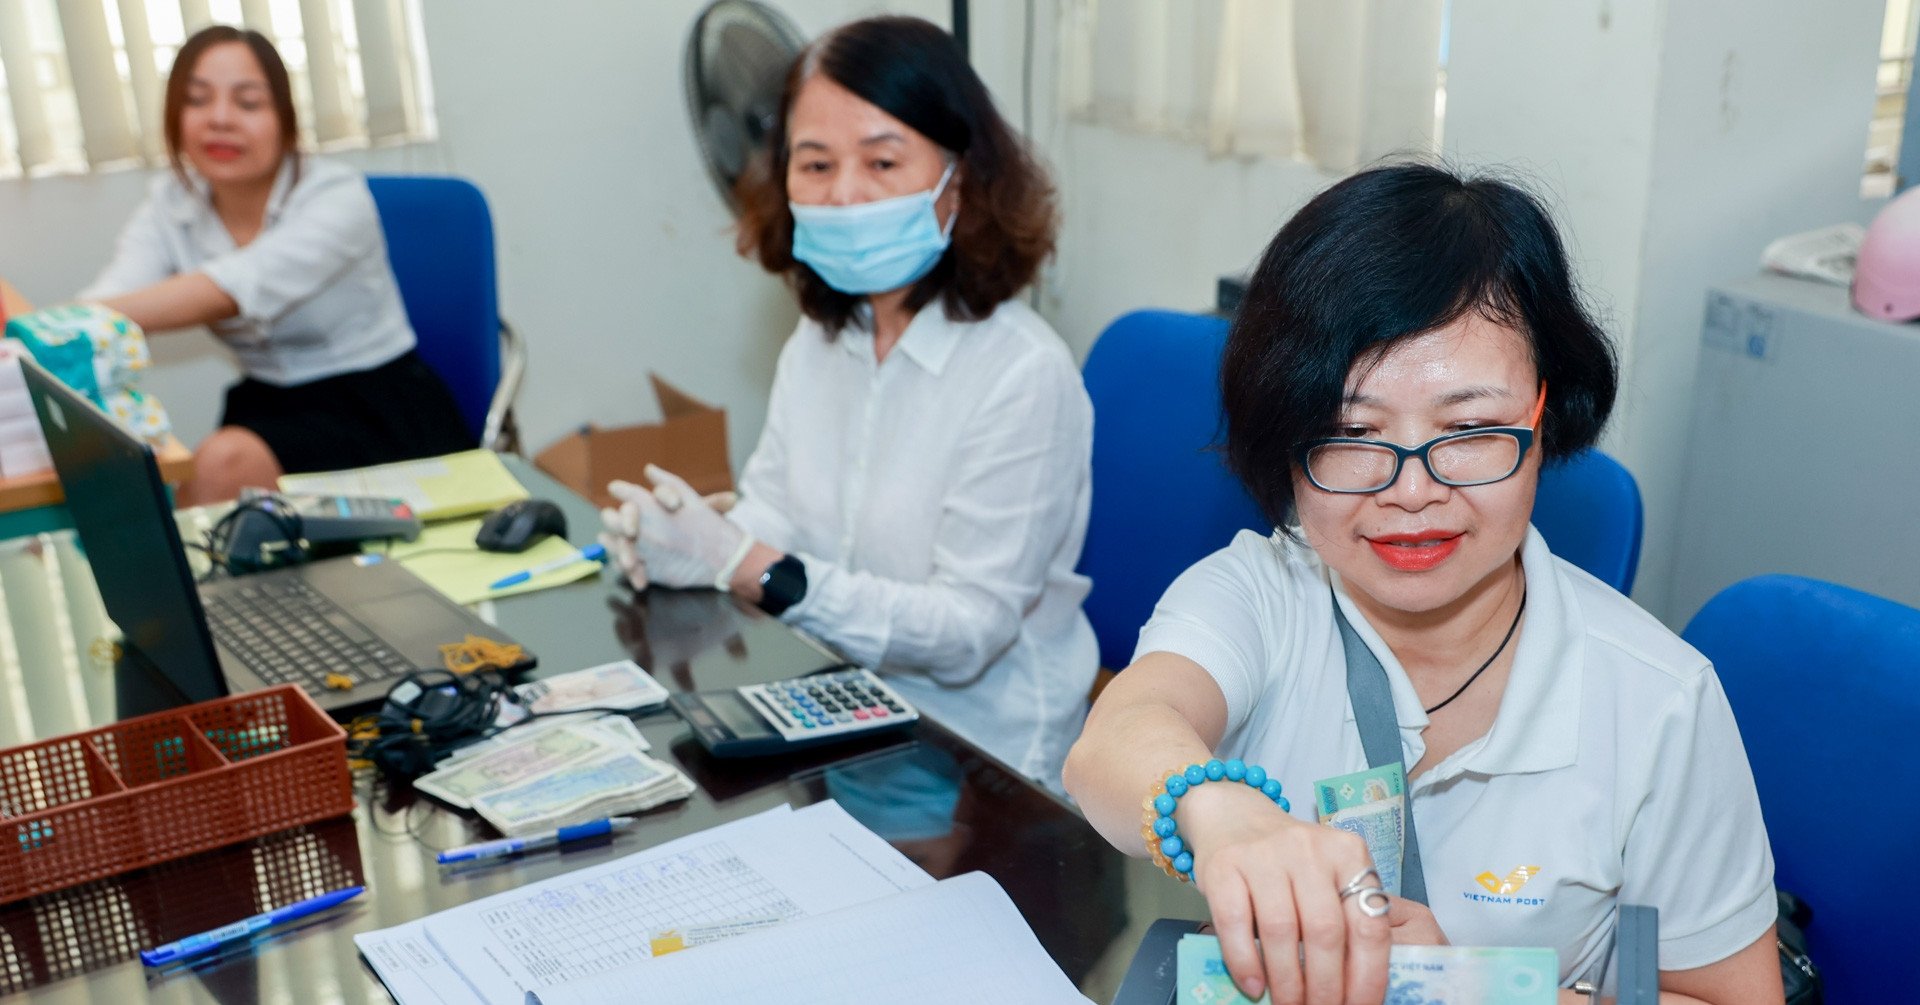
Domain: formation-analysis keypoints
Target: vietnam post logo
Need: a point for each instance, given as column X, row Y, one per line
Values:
column 1510, row 885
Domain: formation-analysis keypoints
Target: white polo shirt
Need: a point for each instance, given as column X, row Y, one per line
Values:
column 316, row 295
column 938, row 501
column 1613, row 772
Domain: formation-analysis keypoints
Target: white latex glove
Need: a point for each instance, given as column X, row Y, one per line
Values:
column 682, row 540
column 619, row 526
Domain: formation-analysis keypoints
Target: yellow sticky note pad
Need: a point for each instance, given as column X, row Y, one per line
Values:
column 445, row 556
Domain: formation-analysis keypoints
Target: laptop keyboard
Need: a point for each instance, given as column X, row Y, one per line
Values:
column 288, row 633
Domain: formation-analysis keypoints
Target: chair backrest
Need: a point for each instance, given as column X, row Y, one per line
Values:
column 440, row 242
column 1825, row 684
column 1588, row 508
column 1162, row 497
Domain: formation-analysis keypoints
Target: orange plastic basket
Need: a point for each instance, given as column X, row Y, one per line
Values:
column 88, row 805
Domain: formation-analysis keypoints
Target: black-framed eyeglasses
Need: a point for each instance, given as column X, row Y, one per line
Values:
column 1470, row 457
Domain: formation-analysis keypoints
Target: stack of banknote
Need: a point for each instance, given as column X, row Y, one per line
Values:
column 552, row 773
column 1416, row 975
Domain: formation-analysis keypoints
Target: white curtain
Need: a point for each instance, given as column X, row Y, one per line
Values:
column 1333, row 82
column 85, row 79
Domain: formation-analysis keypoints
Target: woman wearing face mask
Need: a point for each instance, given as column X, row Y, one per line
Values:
column 282, row 256
column 920, row 491
column 1410, row 350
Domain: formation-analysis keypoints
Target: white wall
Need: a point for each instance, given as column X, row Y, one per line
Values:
column 1760, row 131
column 1671, row 138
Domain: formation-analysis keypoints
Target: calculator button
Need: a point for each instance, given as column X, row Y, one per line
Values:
column 843, row 717
column 806, row 723
column 861, row 713
column 880, row 713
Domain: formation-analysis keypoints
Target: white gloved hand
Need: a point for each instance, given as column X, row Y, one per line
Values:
column 619, row 527
column 681, row 540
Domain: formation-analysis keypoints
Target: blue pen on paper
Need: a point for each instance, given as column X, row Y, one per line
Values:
column 514, row 846
column 590, row 553
column 194, row 945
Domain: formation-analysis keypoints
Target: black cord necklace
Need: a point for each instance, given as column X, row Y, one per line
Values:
column 1496, row 654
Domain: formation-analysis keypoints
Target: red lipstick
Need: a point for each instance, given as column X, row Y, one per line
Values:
column 1414, row 552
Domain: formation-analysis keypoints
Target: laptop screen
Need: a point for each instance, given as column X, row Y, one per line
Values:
column 124, row 517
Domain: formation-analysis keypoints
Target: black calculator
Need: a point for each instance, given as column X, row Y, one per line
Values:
column 787, row 714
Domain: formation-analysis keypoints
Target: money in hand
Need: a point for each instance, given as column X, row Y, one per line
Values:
column 1416, row 975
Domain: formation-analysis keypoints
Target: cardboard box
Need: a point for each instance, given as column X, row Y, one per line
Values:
column 690, row 441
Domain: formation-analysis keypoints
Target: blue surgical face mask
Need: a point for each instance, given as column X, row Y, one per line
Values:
column 872, row 247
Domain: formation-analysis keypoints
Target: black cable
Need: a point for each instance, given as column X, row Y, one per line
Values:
column 1496, row 655
column 286, row 519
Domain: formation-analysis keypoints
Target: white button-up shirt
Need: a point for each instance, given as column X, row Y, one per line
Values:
column 938, row 501
column 1613, row 772
column 316, row 295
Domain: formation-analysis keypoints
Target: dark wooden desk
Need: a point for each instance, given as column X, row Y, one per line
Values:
column 1087, row 903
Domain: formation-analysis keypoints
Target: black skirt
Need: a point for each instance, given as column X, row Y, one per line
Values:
column 397, row 411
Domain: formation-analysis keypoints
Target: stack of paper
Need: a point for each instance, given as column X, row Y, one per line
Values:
column 23, row 450
column 858, row 922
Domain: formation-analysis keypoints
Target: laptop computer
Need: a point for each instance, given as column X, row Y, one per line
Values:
column 370, row 621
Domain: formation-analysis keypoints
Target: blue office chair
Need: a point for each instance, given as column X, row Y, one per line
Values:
column 1588, row 508
column 1825, row 683
column 440, row 241
column 1162, row 497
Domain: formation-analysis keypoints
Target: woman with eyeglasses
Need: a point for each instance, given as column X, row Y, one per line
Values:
column 1410, row 352
column 921, row 487
column 281, row 255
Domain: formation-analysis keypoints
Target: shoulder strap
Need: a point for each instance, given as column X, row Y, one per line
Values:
column 1380, row 736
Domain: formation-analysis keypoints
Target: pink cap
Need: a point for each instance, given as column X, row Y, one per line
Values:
column 1886, row 277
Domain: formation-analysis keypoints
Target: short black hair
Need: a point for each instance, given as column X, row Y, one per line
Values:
column 1387, row 254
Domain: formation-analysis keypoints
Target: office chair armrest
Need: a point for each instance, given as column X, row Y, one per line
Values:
column 499, row 432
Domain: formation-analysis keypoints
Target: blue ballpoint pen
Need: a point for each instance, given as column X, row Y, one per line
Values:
column 514, row 846
column 193, row 945
column 590, row 553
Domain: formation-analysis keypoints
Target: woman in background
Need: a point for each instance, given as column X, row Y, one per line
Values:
column 920, row 490
column 282, row 256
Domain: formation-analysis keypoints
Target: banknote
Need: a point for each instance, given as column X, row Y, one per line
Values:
column 614, row 728
column 530, row 758
column 622, row 783
column 622, row 685
column 1416, row 975
column 1371, row 804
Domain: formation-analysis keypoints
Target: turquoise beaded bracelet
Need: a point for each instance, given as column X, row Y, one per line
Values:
column 1171, row 846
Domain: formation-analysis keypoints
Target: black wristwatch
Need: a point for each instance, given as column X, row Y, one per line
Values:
column 782, row 585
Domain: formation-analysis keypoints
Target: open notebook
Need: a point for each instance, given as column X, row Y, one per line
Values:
column 810, row 884
column 960, row 941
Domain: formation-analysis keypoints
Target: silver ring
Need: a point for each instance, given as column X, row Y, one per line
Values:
column 1359, row 882
column 1368, row 905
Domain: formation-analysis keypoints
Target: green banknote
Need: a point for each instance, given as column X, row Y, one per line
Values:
column 1416, row 975
column 1369, row 803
